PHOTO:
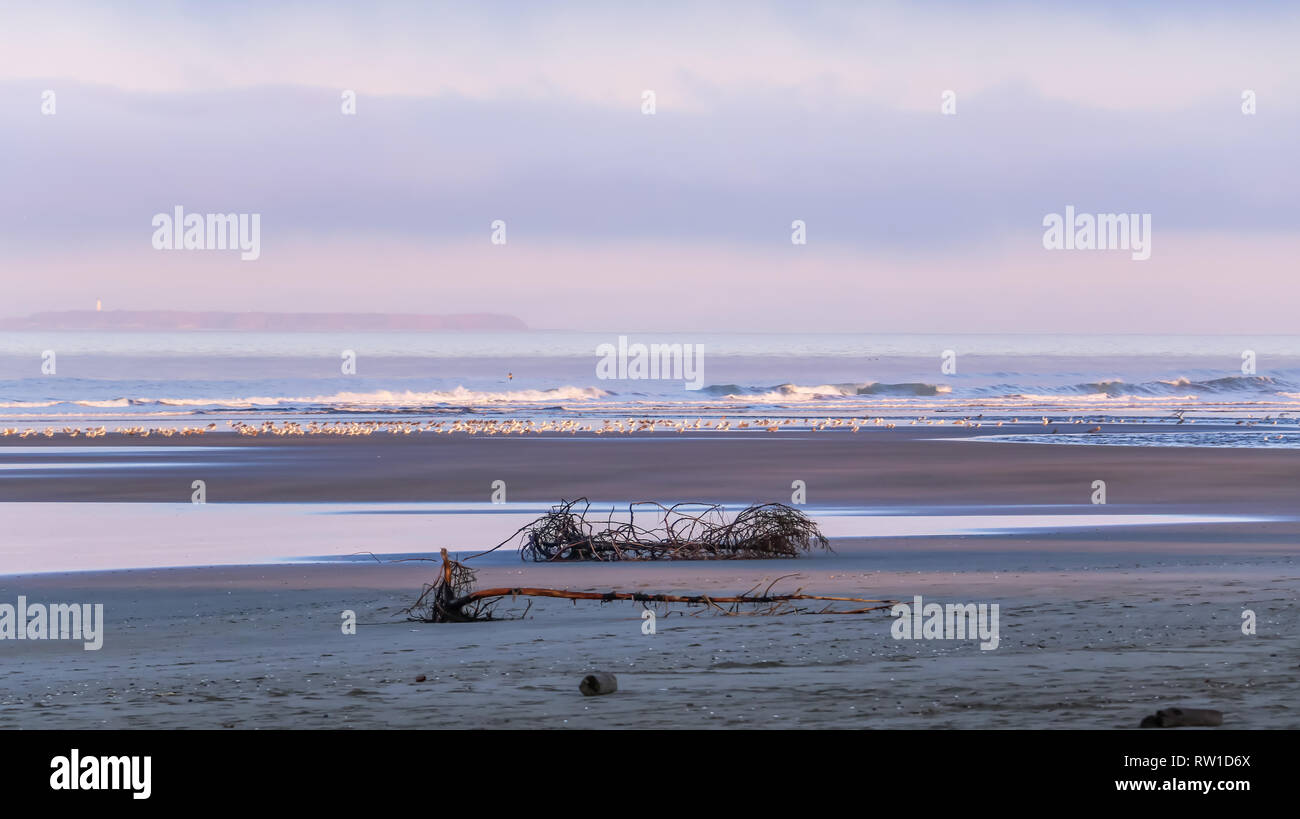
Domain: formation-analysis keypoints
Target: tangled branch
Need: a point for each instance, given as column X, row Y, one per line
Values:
column 684, row 531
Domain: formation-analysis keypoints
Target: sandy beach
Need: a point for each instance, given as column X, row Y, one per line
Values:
column 261, row 647
column 1099, row 626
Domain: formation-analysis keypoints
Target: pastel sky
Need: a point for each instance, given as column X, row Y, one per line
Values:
column 828, row 113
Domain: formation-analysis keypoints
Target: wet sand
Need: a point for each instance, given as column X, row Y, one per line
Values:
column 876, row 467
column 1098, row 627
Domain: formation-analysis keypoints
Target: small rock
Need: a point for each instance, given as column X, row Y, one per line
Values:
column 1183, row 718
column 598, row 682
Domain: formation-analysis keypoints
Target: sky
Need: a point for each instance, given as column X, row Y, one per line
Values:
column 764, row 113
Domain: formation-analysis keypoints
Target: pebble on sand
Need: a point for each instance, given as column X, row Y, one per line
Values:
column 1183, row 718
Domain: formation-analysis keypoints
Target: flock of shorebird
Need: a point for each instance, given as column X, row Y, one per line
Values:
column 514, row 426
column 526, row 427
column 100, row 432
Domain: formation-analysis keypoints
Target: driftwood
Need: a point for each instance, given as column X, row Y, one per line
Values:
column 684, row 531
column 453, row 599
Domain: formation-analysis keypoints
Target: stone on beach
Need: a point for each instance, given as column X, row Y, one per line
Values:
column 599, row 682
column 1183, row 718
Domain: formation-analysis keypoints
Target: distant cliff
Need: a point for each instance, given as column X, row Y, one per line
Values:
column 268, row 322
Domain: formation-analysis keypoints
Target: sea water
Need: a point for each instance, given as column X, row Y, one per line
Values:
column 103, row 377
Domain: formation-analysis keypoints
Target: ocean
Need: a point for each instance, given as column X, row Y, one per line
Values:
column 104, row 377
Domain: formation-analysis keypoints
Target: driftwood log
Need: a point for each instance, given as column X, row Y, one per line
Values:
column 453, row 599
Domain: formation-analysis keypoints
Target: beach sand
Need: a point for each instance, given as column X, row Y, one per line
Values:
column 1098, row 645
column 1098, row 628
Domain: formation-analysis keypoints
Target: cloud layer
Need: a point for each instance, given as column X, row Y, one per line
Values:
column 827, row 114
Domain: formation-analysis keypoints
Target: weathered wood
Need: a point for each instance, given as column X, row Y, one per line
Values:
column 453, row 598
column 700, row 599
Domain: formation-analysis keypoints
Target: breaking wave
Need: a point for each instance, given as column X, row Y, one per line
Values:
column 788, row 392
column 378, row 398
column 1181, row 386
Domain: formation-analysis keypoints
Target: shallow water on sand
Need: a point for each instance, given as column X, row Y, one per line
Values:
column 64, row 537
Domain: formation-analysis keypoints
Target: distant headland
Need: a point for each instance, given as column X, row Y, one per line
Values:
column 267, row 322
